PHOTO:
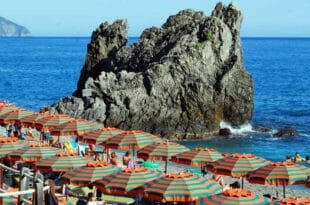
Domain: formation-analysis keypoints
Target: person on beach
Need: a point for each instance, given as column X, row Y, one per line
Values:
column 126, row 158
column 307, row 159
column 220, row 180
column 298, row 158
column 23, row 133
column 115, row 160
column 10, row 129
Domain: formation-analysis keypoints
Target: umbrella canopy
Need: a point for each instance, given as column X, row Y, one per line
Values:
column 308, row 183
column 197, row 157
column 11, row 144
column 100, row 136
column 52, row 121
column 63, row 162
column 14, row 115
column 293, row 200
column 33, row 153
column 135, row 139
column 7, row 108
column 30, row 120
column 180, row 187
column 76, row 127
column 280, row 173
column 127, row 182
column 234, row 197
column 237, row 165
column 93, row 171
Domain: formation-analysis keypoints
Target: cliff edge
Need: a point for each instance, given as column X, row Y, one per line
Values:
column 182, row 78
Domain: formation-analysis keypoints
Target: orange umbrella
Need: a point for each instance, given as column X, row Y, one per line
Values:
column 7, row 108
column 52, row 121
column 100, row 136
column 161, row 151
column 76, row 127
column 30, row 120
column 14, row 115
column 10, row 144
column 293, row 201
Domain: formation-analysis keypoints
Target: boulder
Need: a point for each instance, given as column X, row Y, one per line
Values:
column 262, row 129
column 287, row 131
column 182, row 78
column 225, row 132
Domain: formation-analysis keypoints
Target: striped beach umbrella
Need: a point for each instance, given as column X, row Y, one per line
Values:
column 7, row 108
column 14, row 115
column 52, row 122
column 30, row 120
column 234, row 197
column 10, row 144
column 237, row 165
column 197, row 157
column 33, row 153
column 75, row 127
column 100, row 136
column 63, row 162
column 161, row 151
column 86, row 175
column 127, row 182
column 280, row 173
column 180, row 187
column 293, row 201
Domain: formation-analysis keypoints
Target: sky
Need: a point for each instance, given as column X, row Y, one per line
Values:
column 262, row 18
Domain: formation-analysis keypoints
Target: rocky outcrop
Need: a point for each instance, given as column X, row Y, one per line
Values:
column 182, row 78
column 287, row 131
column 8, row 28
column 224, row 132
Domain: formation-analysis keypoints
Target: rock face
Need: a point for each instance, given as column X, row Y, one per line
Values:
column 287, row 131
column 184, row 77
column 8, row 28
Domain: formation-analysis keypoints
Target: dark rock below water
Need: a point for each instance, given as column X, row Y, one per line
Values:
column 225, row 132
column 287, row 131
column 184, row 77
column 262, row 129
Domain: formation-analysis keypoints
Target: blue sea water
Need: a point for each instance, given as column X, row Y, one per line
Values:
column 35, row 72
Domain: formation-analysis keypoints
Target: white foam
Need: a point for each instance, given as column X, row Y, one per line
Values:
column 239, row 130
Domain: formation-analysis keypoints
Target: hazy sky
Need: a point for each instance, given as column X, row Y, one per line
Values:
column 80, row 17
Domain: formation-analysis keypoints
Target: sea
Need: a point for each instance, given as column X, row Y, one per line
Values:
column 37, row 71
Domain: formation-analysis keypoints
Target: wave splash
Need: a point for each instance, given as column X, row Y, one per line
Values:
column 237, row 130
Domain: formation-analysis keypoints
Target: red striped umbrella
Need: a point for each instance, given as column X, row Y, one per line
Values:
column 10, row 144
column 100, row 136
column 280, row 173
column 75, row 127
column 197, row 157
column 52, row 121
column 234, row 197
column 33, row 153
column 180, row 187
column 30, row 120
column 86, row 175
column 7, row 108
column 127, row 182
column 14, row 115
column 237, row 165
column 161, row 151
column 293, row 201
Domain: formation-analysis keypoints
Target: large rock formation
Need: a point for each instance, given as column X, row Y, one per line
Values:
column 8, row 28
column 184, row 77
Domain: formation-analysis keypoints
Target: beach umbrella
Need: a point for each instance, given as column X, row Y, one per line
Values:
column 234, row 197
column 293, row 201
column 180, row 187
column 10, row 144
column 161, row 151
column 14, row 115
column 75, row 127
column 3, row 103
column 100, row 136
column 63, row 162
column 51, row 122
column 7, row 108
column 197, row 157
column 86, row 175
column 33, row 153
column 30, row 120
column 135, row 139
column 280, row 173
column 127, row 182
column 308, row 183
column 237, row 165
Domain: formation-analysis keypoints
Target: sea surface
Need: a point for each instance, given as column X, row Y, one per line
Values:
column 36, row 72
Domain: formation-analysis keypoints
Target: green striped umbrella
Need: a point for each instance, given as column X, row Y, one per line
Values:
column 33, row 153
column 86, row 175
column 10, row 145
column 161, row 151
column 7, row 108
column 180, row 187
column 75, row 127
column 280, row 173
column 197, row 157
column 127, row 182
column 61, row 163
column 100, row 136
column 14, row 115
column 32, row 119
column 234, row 197
column 293, row 201
column 52, row 122
column 237, row 165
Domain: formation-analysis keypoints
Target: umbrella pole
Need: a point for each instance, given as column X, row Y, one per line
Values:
column 283, row 191
column 166, row 166
column 1, row 175
column 242, row 182
column 133, row 154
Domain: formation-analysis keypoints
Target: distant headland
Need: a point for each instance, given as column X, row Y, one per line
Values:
column 11, row 29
